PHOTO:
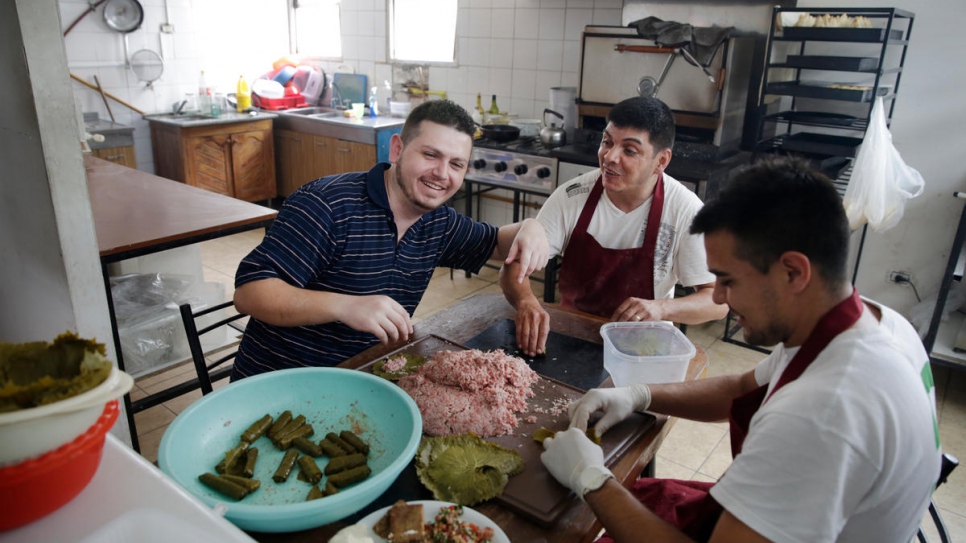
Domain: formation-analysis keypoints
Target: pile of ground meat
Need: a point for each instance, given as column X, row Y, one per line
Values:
column 471, row 391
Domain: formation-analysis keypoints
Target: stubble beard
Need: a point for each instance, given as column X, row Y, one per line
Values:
column 408, row 192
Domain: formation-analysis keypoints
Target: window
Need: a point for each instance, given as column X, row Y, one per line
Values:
column 317, row 29
column 422, row 31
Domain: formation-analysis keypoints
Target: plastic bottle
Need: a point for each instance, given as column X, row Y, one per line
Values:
column 494, row 109
column 243, row 96
column 204, row 98
column 373, row 102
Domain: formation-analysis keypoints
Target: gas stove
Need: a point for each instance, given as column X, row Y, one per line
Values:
column 523, row 164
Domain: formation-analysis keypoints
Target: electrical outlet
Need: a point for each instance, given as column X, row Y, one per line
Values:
column 167, row 28
column 899, row 277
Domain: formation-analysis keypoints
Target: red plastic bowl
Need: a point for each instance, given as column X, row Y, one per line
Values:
column 39, row 486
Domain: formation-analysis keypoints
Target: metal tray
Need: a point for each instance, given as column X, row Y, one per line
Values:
column 822, row 144
column 816, row 117
column 839, row 34
column 822, row 91
column 822, row 62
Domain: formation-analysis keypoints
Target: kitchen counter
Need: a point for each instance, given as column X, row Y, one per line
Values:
column 190, row 119
column 115, row 134
column 366, row 130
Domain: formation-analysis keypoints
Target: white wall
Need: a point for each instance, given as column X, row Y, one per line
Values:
column 518, row 49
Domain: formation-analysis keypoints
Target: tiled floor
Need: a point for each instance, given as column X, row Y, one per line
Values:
column 692, row 450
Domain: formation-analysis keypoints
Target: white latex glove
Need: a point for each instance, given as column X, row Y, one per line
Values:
column 575, row 461
column 616, row 403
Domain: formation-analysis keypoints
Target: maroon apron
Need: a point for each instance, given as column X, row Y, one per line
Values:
column 615, row 274
column 688, row 505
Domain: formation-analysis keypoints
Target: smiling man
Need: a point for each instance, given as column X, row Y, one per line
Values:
column 623, row 231
column 349, row 256
column 833, row 435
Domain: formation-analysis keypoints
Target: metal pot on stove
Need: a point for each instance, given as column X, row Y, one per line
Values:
column 552, row 135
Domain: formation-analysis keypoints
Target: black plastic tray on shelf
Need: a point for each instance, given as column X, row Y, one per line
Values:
column 819, row 118
column 822, row 90
column 839, row 34
column 819, row 62
column 822, row 144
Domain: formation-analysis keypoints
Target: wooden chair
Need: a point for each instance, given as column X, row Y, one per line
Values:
column 206, row 373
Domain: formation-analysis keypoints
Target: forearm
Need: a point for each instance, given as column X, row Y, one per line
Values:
column 504, row 239
column 626, row 519
column 705, row 400
column 695, row 308
column 515, row 292
column 275, row 302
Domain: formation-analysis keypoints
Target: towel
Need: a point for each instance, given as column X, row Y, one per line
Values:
column 701, row 41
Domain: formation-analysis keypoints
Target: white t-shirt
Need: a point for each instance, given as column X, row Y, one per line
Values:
column 848, row 452
column 679, row 256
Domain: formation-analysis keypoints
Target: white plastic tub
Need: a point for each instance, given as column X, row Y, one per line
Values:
column 645, row 352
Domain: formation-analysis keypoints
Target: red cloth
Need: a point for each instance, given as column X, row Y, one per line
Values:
column 595, row 279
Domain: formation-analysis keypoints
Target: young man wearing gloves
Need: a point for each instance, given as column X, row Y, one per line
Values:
column 833, row 435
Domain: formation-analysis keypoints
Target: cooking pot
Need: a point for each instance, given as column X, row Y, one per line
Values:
column 500, row 132
column 552, row 136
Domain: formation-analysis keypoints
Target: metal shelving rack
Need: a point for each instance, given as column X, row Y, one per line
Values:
column 808, row 125
column 940, row 340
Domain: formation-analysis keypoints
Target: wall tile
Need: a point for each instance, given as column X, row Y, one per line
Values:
column 524, row 82
column 549, row 55
column 503, row 4
column 367, row 50
column 501, row 56
column 350, row 23
column 571, row 56
column 545, row 80
column 527, row 24
column 607, row 17
column 577, row 19
column 552, row 24
column 456, row 79
column 478, row 80
column 523, row 107
column 501, row 84
column 608, row 4
column 502, row 23
column 580, row 4
column 478, row 23
column 525, row 54
column 476, row 53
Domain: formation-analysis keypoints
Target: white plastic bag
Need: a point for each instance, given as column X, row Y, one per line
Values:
column 881, row 182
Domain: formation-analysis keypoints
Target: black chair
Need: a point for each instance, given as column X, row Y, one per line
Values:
column 948, row 465
column 206, row 373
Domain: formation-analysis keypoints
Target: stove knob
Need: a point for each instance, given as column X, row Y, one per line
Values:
column 520, row 169
column 543, row 172
column 500, row 167
column 479, row 164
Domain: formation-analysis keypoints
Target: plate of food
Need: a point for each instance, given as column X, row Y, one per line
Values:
column 419, row 520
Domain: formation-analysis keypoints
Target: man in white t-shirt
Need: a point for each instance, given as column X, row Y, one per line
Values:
column 623, row 234
column 834, row 434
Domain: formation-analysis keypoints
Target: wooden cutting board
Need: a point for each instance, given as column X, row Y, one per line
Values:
column 534, row 492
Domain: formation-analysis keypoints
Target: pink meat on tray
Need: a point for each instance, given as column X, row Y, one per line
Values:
column 471, row 391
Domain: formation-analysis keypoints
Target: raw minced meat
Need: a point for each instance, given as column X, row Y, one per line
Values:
column 471, row 391
column 394, row 364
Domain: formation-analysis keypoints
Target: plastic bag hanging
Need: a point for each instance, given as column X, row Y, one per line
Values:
column 881, row 181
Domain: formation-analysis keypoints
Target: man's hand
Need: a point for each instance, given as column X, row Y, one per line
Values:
column 530, row 248
column 639, row 309
column 381, row 316
column 533, row 326
column 575, row 461
column 616, row 403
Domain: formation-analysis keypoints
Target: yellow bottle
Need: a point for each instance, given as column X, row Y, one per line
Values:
column 479, row 104
column 243, row 96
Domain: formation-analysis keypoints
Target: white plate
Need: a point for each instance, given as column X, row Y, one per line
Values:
column 430, row 509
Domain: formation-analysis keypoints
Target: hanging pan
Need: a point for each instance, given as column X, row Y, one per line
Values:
column 123, row 15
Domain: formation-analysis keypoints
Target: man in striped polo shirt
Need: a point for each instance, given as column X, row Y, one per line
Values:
column 349, row 256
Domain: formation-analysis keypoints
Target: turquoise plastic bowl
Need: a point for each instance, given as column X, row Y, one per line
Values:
column 332, row 399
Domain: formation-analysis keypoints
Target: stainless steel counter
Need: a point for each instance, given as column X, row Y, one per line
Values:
column 189, row 119
column 332, row 124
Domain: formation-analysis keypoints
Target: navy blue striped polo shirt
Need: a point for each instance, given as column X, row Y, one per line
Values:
column 337, row 234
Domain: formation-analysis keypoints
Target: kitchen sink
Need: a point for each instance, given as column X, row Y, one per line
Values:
column 313, row 112
column 182, row 117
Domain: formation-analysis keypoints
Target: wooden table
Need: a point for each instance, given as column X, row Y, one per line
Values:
column 461, row 322
column 137, row 213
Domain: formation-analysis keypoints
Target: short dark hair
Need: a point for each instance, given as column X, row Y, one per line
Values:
column 779, row 205
column 646, row 113
column 442, row 112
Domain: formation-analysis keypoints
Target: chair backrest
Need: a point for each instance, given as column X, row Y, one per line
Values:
column 206, row 373
column 949, row 463
column 214, row 371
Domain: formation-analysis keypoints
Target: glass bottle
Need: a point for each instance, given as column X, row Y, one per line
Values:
column 204, row 99
column 479, row 104
column 494, row 109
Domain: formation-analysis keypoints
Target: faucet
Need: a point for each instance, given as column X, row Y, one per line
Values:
column 180, row 107
column 338, row 103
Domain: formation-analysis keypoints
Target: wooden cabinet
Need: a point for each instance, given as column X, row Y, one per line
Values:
column 119, row 155
column 235, row 159
column 304, row 157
